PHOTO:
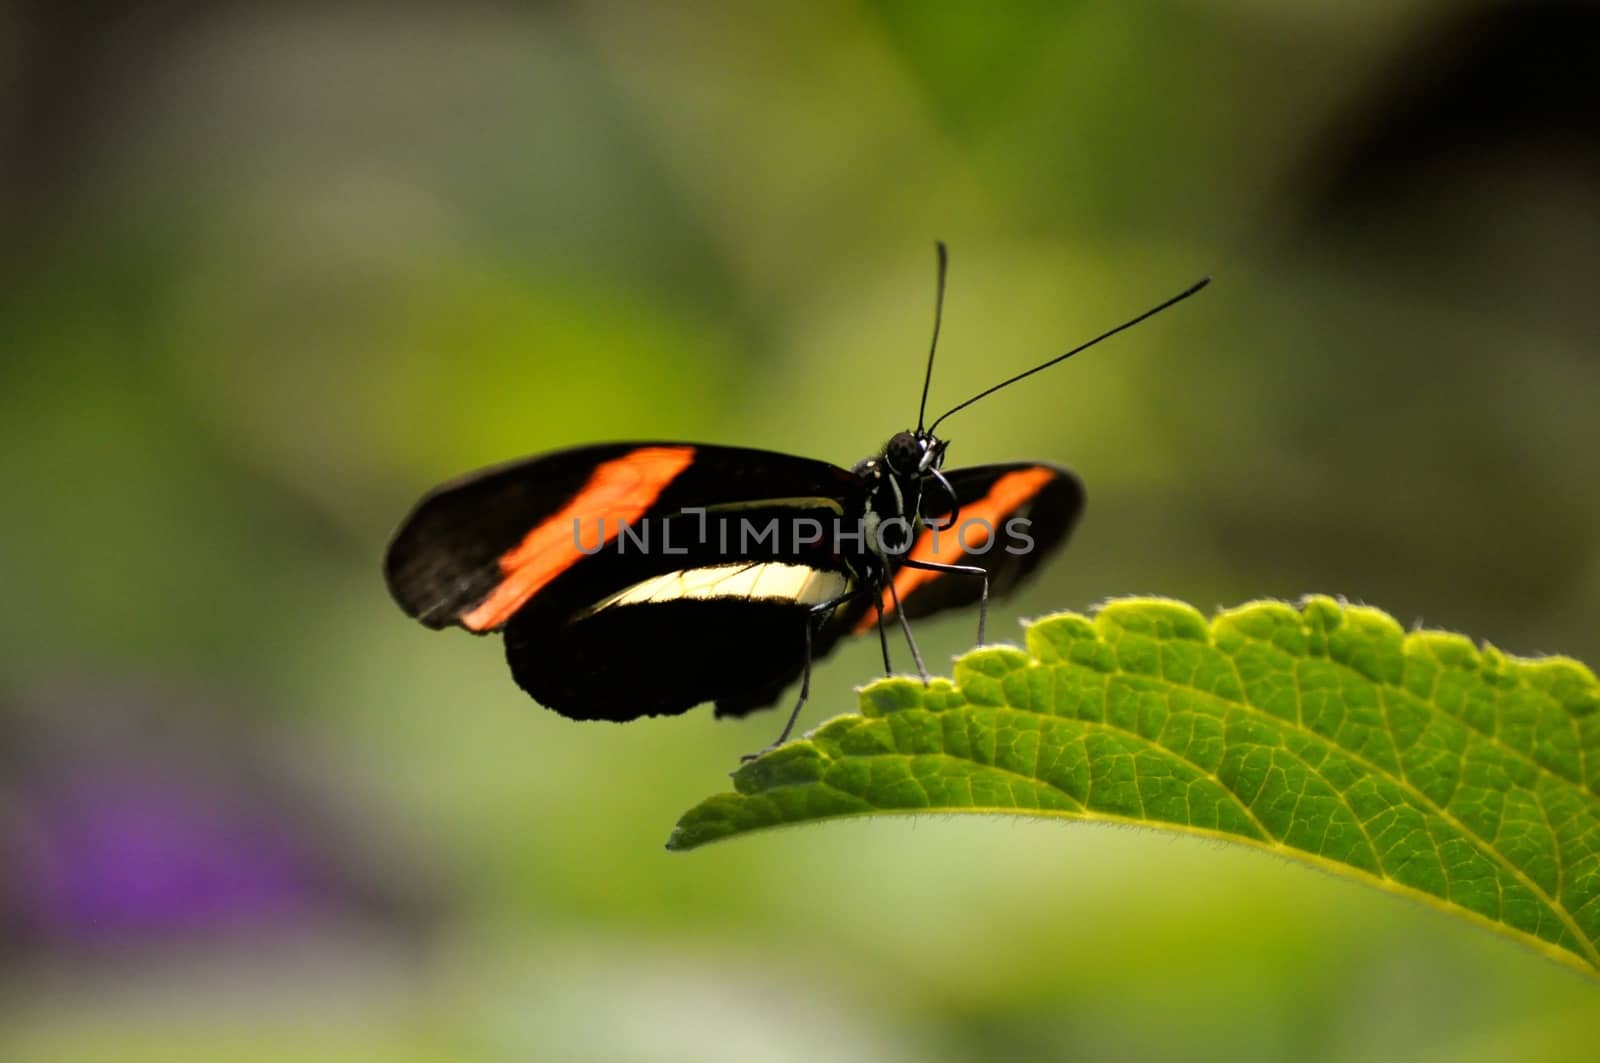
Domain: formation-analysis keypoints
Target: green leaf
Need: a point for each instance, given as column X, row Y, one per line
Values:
column 1327, row 734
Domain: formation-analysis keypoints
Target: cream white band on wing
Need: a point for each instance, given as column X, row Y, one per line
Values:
column 770, row 580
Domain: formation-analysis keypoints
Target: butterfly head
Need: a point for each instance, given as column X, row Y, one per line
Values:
column 911, row 455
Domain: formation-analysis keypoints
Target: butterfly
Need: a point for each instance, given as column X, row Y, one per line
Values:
column 646, row 578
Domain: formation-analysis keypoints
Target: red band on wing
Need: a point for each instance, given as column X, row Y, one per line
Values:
column 618, row 491
column 978, row 521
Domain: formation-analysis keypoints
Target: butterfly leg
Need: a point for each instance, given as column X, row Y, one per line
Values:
column 883, row 635
column 822, row 610
column 966, row 570
column 905, row 625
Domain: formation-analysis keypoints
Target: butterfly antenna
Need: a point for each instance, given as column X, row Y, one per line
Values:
column 938, row 315
column 1152, row 312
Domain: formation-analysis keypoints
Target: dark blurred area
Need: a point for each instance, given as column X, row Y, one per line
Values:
column 271, row 271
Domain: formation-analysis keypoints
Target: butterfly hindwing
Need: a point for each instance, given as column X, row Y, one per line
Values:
column 665, row 656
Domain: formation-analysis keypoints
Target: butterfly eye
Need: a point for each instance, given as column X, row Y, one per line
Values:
column 904, row 453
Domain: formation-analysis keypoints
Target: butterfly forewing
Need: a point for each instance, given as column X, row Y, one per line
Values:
column 474, row 551
column 1011, row 519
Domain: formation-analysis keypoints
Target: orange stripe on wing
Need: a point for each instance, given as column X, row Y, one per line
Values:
column 1008, row 494
column 618, row 491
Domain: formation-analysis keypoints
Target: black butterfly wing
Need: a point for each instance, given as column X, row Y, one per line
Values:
column 1011, row 519
column 600, row 626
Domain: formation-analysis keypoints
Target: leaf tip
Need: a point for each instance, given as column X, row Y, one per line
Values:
column 711, row 820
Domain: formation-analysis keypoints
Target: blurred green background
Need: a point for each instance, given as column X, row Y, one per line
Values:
column 269, row 272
